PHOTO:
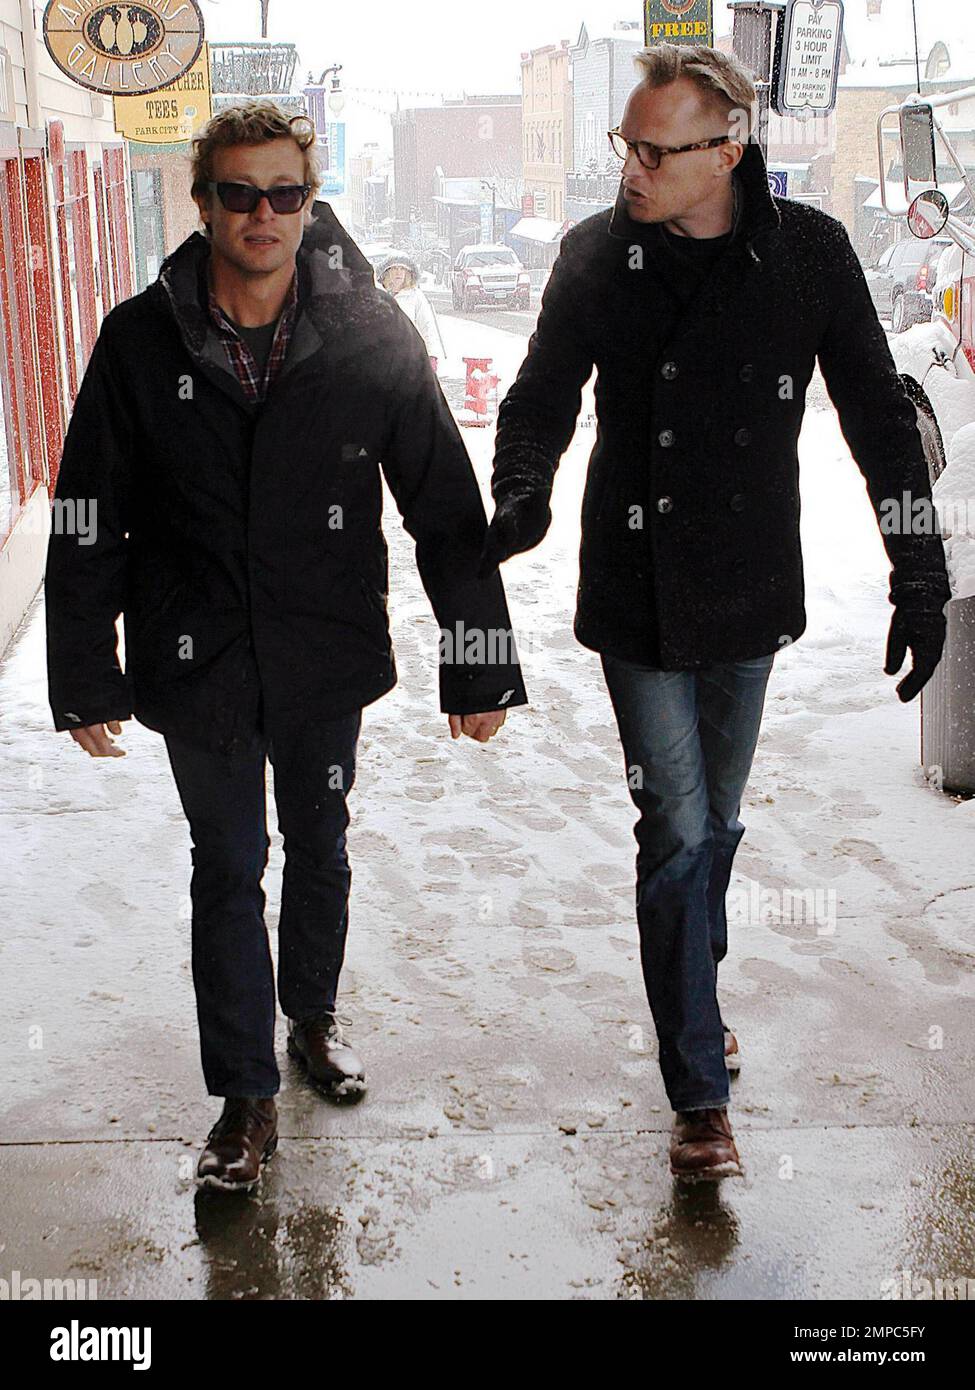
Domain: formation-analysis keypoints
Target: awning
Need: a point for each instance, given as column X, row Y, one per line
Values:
column 542, row 229
column 898, row 203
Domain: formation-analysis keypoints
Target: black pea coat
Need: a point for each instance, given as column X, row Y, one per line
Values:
column 243, row 543
column 690, row 548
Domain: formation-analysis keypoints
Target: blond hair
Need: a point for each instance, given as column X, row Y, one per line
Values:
column 723, row 84
column 252, row 123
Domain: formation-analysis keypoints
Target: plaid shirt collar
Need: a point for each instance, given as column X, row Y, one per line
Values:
column 238, row 351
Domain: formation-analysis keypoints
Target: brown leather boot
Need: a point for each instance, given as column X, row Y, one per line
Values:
column 242, row 1140
column 328, row 1059
column 702, row 1148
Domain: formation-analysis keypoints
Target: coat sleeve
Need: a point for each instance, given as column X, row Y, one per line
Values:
column 84, row 580
column 879, row 423
column 537, row 418
column 430, row 475
column 426, row 322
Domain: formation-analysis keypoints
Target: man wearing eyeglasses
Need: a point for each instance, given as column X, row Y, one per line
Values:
column 229, row 433
column 704, row 303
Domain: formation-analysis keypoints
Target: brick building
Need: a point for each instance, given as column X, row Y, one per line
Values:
column 475, row 136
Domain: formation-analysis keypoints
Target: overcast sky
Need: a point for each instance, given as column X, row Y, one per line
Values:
column 448, row 46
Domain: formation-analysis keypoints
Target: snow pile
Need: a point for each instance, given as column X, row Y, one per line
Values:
column 957, row 482
column 954, row 405
column 913, row 351
column 954, row 497
column 951, row 391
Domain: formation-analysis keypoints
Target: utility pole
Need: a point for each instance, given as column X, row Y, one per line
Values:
column 753, row 41
column 494, row 217
column 264, row 5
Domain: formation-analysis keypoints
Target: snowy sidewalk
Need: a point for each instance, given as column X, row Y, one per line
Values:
column 513, row 1140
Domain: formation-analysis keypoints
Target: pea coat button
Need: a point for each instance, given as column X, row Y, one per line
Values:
column 666, row 438
column 743, row 437
column 737, row 502
column 740, row 565
column 746, row 372
column 669, row 370
column 665, row 504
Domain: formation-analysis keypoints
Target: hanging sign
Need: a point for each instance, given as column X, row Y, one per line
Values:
column 678, row 21
column 172, row 114
column 807, row 59
column 123, row 49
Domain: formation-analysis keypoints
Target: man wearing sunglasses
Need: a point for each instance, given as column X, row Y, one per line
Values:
column 230, row 431
column 704, row 303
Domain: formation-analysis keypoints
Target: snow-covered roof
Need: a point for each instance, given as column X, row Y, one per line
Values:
column 598, row 32
column 543, row 229
column 894, row 189
column 488, row 246
column 880, row 47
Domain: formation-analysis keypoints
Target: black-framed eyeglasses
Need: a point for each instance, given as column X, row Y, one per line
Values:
column 650, row 155
column 244, row 197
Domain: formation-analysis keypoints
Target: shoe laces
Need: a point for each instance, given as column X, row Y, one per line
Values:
column 332, row 1026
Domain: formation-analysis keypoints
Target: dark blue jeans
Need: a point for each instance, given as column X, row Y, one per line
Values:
column 224, row 800
column 688, row 739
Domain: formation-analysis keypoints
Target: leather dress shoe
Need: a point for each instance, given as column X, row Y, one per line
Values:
column 732, row 1055
column 328, row 1059
column 239, row 1144
column 702, row 1147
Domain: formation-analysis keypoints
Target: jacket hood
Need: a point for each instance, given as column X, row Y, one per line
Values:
column 757, row 212
column 336, row 289
column 398, row 258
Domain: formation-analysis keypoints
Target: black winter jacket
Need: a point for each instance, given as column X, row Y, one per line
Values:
column 243, row 543
column 691, row 506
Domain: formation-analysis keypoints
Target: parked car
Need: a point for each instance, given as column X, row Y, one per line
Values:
column 902, row 279
column 489, row 274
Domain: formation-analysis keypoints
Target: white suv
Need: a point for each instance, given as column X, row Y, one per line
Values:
column 486, row 274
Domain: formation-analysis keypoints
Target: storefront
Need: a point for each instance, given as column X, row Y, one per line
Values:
column 65, row 260
column 537, row 241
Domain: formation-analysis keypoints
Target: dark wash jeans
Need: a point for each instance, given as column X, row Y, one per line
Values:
column 224, row 799
column 691, row 735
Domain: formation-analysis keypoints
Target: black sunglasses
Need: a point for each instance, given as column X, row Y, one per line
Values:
column 244, row 197
column 650, row 155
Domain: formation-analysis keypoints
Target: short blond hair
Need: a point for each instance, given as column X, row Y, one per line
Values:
column 724, row 85
column 252, row 123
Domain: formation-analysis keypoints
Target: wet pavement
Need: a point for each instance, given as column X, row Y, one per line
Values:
column 513, row 1140
column 518, row 321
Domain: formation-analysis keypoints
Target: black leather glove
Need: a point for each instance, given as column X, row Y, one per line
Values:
column 923, row 630
column 520, row 521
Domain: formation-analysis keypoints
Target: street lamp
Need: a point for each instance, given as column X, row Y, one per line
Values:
column 336, row 97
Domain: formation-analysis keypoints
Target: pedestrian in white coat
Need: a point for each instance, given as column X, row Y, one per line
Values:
column 399, row 275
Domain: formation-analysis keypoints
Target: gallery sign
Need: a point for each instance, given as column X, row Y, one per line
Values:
column 121, row 49
column 807, row 58
column 171, row 114
column 678, row 21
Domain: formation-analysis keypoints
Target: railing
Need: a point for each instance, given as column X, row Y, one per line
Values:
column 259, row 69
column 593, row 188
